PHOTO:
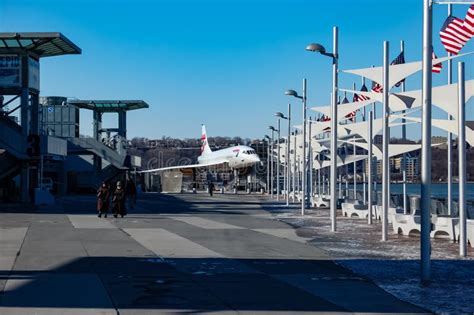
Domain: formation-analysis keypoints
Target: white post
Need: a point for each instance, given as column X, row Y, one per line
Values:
column 271, row 163
column 334, row 124
column 355, row 170
column 386, row 140
column 425, row 246
column 404, row 137
column 370, row 166
column 288, row 173
column 268, row 165
column 304, row 176
column 450, row 138
column 294, row 168
column 364, row 197
column 462, row 161
column 319, row 181
column 324, row 185
column 278, row 164
column 340, row 186
column 310, row 163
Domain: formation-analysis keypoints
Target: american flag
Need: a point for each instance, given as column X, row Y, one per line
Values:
column 469, row 19
column 437, row 67
column 400, row 59
column 360, row 97
column 376, row 87
column 454, row 34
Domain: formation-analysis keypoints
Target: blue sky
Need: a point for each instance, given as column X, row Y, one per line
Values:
column 222, row 63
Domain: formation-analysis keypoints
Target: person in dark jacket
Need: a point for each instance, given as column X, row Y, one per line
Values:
column 211, row 188
column 103, row 195
column 119, row 201
column 131, row 191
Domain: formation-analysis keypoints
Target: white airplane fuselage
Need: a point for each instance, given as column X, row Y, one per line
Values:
column 236, row 157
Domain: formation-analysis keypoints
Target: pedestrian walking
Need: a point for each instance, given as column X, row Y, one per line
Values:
column 103, row 195
column 131, row 192
column 118, row 201
column 211, row 188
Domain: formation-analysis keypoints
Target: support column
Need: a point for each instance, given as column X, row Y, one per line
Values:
column 97, row 125
column 122, row 124
column 25, row 129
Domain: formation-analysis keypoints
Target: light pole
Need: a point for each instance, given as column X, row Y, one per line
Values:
column 272, row 161
column 268, row 161
column 278, row 163
column 304, row 168
column 294, row 165
column 335, row 58
column 280, row 115
column 386, row 143
column 426, row 98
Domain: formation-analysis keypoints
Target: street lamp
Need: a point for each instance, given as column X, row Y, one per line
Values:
column 268, row 161
column 303, row 177
column 278, row 163
column 335, row 58
column 282, row 116
column 271, row 161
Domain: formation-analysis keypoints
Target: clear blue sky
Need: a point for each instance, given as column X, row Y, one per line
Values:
column 222, row 63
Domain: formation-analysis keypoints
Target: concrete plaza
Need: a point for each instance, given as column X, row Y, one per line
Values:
column 173, row 253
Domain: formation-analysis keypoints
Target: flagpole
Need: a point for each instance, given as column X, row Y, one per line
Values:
column 450, row 137
column 404, row 137
column 334, row 124
column 354, row 153
column 370, row 166
column 386, row 139
column 462, row 160
column 425, row 246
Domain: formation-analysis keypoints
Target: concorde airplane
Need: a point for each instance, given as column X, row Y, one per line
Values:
column 236, row 157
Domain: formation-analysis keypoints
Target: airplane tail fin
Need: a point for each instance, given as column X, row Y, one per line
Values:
column 205, row 149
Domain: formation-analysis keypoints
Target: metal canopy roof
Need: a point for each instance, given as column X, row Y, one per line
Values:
column 109, row 106
column 41, row 44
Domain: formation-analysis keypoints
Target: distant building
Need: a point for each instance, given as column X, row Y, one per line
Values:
column 412, row 166
column 378, row 139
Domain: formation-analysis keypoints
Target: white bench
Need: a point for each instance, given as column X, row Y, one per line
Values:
column 445, row 226
column 406, row 224
column 317, row 201
column 354, row 208
column 391, row 213
column 469, row 231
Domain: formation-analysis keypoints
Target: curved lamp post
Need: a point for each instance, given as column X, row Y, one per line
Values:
column 271, row 159
column 282, row 116
column 268, row 161
column 305, row 158
column 335, row 57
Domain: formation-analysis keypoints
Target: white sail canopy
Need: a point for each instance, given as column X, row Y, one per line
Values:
column 397, row 72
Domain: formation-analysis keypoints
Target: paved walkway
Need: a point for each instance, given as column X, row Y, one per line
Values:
column 173, row 253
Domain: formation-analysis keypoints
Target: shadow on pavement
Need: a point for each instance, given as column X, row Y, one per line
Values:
column 202, row 284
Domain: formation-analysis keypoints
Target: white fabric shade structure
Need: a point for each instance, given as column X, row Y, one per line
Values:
column 343, row 109
column 449, row 126
column 444, row 97
column 398, row 72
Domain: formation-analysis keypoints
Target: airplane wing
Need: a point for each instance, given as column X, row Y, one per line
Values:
column 179, row 167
